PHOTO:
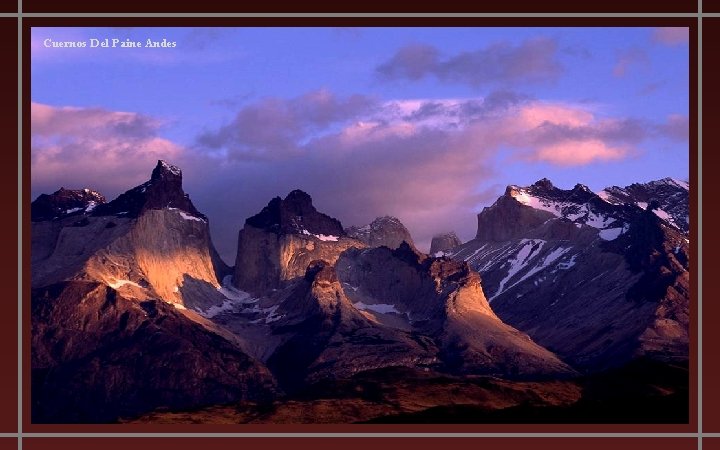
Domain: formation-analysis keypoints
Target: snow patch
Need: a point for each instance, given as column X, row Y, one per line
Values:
column 382, row 308
column 234, row 298
column 187, row 216
column 230, row 292
column 610, row 234
column 607, row 197
column 322, row 237
column 549, row 259
column 172, row 169
column 354, row 288
column 680, row 183
column 178, row 306
column 72, row 210
column 642, row 205
column 568, row 264
column 526, row 199
column 117, row 284
column 559, row 209
column 529, row 247
column 663, row 215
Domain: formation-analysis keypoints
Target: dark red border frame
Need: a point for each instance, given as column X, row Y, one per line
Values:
column 710, row 334
column 8, row 241
column 711, row 191
column 365, row 443
column 223, row 6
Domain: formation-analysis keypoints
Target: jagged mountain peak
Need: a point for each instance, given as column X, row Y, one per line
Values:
column 299, row 198
column 64, row 202
column 296, row 215
column 277, row 244
column 165, row 171
column 543, row 183
column 386, row 231
column 163, row 190
column 668, row 196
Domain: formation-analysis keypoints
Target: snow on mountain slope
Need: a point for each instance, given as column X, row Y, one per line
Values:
column 561, row 265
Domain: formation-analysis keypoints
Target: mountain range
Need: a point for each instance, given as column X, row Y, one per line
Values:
column 136, row 318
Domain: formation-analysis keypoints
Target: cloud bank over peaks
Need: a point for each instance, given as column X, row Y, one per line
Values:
column 112, row 150
column 430, row 162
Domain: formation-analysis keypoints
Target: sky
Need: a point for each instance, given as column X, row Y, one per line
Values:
column 425, row 124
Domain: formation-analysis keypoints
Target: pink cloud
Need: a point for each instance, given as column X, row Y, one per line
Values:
column 671, row 36
column 579, row 153
column 93, row 146
column 428, row 162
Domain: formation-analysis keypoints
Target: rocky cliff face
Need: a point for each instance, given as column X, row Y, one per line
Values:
column 442, row 243
column 443, row 300
column 111, row 290
column 566, row 271
column 354, row 308
column 162, row 191
column 384, row 231
column 279, row 243
column 132, row 309
column 148, row 243
column 97, row 356
column 327, row 338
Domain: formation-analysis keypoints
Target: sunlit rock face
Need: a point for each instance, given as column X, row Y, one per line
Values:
column 277, row 244
column 112, row 329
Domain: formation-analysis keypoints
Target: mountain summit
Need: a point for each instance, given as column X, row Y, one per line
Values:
column 386, row 230
column 132, row 310
column 64, row 202
column 163, row 190
column 114, row 290
column 295, row 215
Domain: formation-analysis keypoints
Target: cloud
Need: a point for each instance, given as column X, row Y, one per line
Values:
column 272, row 127
column 533, row 60
column 629, row 58
column 427, row 161
column 677, row 128
column 94, row 147
column 430, row 162
column 671, row 36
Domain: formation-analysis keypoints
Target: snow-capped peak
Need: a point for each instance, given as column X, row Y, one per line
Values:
column 175, row 170
column 679, row 183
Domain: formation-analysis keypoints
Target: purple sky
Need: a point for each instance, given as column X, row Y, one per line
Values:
column 426, row 124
